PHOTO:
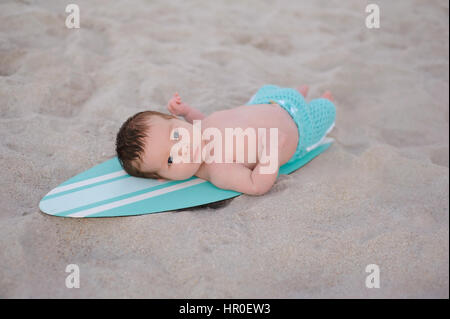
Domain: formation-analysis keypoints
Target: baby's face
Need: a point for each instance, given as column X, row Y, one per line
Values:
column 157, row 156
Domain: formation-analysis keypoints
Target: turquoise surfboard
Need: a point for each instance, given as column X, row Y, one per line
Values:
column 106, row 190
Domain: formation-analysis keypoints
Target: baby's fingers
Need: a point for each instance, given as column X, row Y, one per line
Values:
column 177, row 98
column 175, row 105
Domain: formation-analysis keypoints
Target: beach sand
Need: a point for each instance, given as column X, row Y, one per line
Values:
column 379, row 195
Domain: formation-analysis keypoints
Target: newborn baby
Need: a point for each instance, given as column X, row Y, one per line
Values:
column 239, row 149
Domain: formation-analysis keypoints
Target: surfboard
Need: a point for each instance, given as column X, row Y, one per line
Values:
column 106, row 190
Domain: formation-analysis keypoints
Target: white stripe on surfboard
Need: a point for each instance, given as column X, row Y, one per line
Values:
column 137, row 198
column 87, row 182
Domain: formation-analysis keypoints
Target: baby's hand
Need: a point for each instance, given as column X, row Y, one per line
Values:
column 176, row 106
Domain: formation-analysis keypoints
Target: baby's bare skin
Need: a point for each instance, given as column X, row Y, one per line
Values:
column 244, row 177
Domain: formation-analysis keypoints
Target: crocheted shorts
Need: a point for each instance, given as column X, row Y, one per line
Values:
column 302, row 114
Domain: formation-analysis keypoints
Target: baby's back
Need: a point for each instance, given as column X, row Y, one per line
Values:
column 258, row 116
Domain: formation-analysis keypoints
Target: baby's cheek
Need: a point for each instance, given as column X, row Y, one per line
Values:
column 177, row 172
column 185, row 169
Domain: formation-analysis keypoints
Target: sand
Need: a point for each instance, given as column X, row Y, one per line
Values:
column 379, row 195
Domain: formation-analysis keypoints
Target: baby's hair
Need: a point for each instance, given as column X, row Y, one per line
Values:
column 130, row 142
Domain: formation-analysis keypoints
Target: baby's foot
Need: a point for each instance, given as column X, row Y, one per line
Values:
column 303, row 90
column 327, row 95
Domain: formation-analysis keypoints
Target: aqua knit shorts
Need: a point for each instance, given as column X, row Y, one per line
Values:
column 314, row 119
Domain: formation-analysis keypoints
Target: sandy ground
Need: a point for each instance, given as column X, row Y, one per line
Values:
column 379, row 195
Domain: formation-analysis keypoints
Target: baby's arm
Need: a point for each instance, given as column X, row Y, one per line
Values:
column 193, row 114
column 177, row 107
column 237, row 177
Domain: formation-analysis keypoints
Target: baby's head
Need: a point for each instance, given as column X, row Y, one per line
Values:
column 144, row 144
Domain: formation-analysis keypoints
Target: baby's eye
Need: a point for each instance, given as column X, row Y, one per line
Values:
column 169, row 160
